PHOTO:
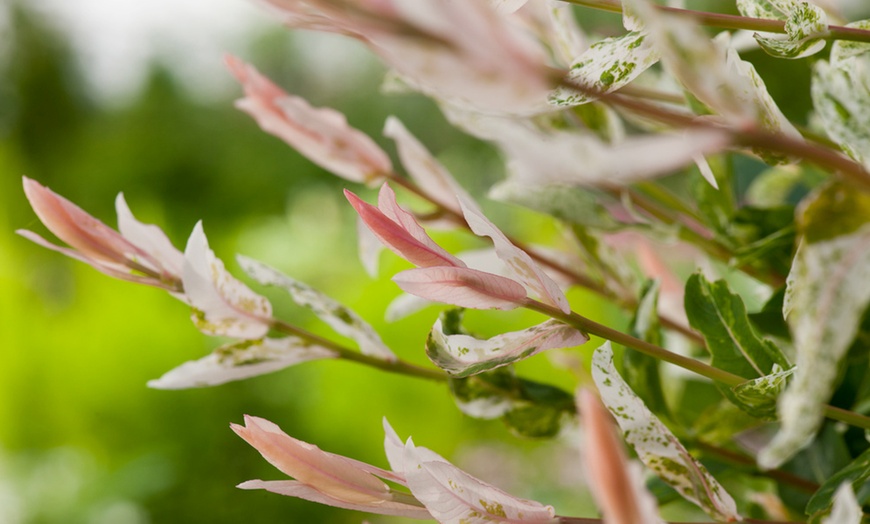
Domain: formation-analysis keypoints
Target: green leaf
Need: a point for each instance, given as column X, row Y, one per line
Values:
column 529, row 409
column 765, row 236
column 758, row 396
column 857, row 473
column 805, row 26
column 340, row 318
column 721, row 318
column 828, row 291
column 770, row 320
column 841, row 96
column 605, row 67
column 641, row 371
column 602, row 120
column 654, row 443
column 716, row 205
column 463, row 355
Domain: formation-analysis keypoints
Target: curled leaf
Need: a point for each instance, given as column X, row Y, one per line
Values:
column 241, row 360
column 463, row 355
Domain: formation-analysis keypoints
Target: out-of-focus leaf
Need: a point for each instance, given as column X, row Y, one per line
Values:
column 713, row 72
column 605, row 67
column 721, row 318
column 805, row 26
column 340, row 318
column 841, row 96
column 641, row 372
column 602, row 120
column 775, row 187
column 846, row 509
column 857, row 474
column 716, row 204
column 758, row 396
column 765, row 236
column 576, row 205
column 463, row 355
column 241, row 360
column 828, row 291
column 770, row 321
column 654, row 443
column 720, row 421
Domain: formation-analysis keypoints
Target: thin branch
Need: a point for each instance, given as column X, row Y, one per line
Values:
column 725, row 21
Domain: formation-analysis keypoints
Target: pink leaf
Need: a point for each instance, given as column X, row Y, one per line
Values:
column 338, row 477
column 519, row 263
column 462, row 287
column 321, row 134
column 398, row 230
column 290, row 488
column 432, row 177
column 619, row 489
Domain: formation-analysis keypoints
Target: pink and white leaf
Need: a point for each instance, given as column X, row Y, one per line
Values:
column 394, row 449
column 655, row 445
column 463, row 355
column 321, row 134
column 140, row 254
column 455, row 497
column 339, row 317
column 336, row 476
column 150, row 239
column 370, row 248
column 241, row 360
column 432, row 177
column 399, row 231
column 397, row 507
column 462, row 287
column 520, row 265
column 222, row 305
column 617, row 484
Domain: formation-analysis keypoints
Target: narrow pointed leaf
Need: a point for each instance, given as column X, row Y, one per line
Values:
column 720, row 316
column 462, row 287
column 221, row 304
column 241, row 360
column 655, row 445
column 340, row 318
column 520, row 265
column 292, row 488
column 455, row 497
column 642, row 371
column 857, row 474
column 605, row 67
column 827, row 293
column 463, row 355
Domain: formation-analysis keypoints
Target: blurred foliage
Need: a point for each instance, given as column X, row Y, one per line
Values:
column 84, row 441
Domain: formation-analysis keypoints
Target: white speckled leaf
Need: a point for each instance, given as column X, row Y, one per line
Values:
column 241, row 360
column 340, row 318
column 453, row 496
column 714, row 73
column 607, row 66
column 654, row 443
column 463, row 355
column 828, row 290
column 841, row 96
column 758, row 396
column 221, row 304
column 805, row 25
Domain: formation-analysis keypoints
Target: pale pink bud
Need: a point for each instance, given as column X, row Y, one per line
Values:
column 141, row 253
column 399, row 230
column 321, row 134
column 324, row 477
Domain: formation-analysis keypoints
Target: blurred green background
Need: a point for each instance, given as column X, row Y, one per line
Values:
column 82, row 439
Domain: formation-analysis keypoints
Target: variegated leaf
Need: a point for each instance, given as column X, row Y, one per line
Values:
column 805, row 25
column 340, row 318
column 828, row 290
column 758, row 396
column 241, row 360
column 463, row 355
column 605, row 67
column 655, row 445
